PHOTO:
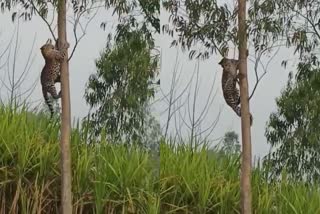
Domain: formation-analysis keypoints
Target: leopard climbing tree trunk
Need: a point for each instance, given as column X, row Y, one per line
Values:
column 66, row 173
column 245, row 179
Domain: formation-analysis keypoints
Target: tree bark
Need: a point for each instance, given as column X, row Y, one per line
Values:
column 66, row 173
column 245, row 180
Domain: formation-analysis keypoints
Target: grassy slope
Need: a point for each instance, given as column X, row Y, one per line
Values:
column 112, row 179
column 106, row 178
column 205, row 182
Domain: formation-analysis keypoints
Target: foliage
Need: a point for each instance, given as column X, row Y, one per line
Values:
column 295, row 22
column 230, row 143
column 152, row 133
column 202, row 22
column 202, row 182
column 107, row 178
column 270, row 23
column 122, row 87
column 294, row 132
column 132, row 14
column 151, row 10
column 287, row 23
column 41, row 8
column 136, row 14
column 111, row 178
column 148, row 9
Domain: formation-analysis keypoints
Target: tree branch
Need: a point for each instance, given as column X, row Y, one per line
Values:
column 47, row 23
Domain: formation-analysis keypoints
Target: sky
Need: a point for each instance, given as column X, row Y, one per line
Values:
column 83, row 64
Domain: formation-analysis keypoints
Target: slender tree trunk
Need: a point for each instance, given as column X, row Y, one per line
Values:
column 245, row 180
column 66, row 173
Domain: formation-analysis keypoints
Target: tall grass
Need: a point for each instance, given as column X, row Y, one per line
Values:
column 106, row 178
column 208, row 182
column 110, row 178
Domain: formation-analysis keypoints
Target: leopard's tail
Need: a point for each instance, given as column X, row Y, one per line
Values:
column 237, row 109
column 251, row 119
column 48, row 101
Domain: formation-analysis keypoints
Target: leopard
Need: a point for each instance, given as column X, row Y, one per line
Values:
column 229, row 82
column 50, row 73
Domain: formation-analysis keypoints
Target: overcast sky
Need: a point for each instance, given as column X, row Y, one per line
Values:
column 82, row 65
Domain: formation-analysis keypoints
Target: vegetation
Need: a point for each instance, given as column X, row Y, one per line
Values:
column 195, row 182
column 111, row 178
column 107, row 178
column 122, row 88
column 293, row 131
column 113, row 172
column 230, row 143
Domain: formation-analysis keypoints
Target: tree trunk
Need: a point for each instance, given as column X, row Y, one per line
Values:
column 245, row 180
column 66, row 173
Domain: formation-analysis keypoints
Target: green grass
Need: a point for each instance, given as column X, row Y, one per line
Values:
column 106, row 178
column 110, row 178
column 208, row 182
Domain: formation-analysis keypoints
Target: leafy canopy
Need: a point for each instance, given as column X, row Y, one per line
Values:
column 211, row 25
column 122, row 87
column 203, row 22
column 293, row 131
column 230, row 143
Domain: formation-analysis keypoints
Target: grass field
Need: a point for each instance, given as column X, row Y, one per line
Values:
column 208, row 182
column 106, row 178
column 109, row 178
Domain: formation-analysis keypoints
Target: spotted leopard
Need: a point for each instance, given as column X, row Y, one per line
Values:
column 51, row 71
column 230, row 78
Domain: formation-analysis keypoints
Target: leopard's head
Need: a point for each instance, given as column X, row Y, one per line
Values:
column 47, row 48
column 231, row 65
